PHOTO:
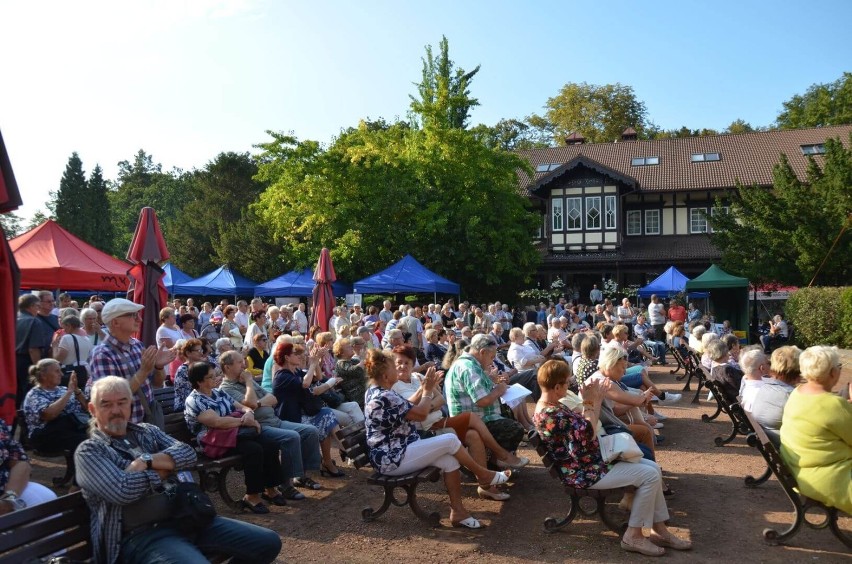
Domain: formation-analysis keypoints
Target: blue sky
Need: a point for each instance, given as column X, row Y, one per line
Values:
column 185, row 80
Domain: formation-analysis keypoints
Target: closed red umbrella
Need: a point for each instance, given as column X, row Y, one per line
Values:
column 10, row 281
column 323, row 294
column 147, row 249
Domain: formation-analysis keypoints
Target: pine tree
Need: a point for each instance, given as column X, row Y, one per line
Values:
column 69, row 202
column 97, row 214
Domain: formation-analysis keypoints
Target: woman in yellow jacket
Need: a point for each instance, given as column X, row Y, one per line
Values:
column 257, row 356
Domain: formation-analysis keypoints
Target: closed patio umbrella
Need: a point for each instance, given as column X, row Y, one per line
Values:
column 323, row 296
column 146, row 251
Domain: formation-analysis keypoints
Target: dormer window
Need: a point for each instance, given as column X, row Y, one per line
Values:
column 547, row 167
column 705, row 157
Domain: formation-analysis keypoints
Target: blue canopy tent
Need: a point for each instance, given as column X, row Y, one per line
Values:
column 667, row 284
column 221, row 282
column 174, row 277
column 297, row 283
column 407, row 275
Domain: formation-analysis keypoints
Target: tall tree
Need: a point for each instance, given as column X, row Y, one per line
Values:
column 513, row 135
column 37, row 219
column 794, row 231
column 70, row 201
column 598, row 113
column 820, row 105
column 97, row 211
column 11, row 223
column 443, row 93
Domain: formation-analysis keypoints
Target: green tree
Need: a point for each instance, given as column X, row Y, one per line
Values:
column 794, row 231
column 513, row 135
column 97, row 211
column 11, row 223
column 37, row 219
column 600, row 113
column 443, row 93
column 70, row 201
column 739, row 126
column 819, row 106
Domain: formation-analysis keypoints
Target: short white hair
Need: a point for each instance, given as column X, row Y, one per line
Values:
column 529, row 327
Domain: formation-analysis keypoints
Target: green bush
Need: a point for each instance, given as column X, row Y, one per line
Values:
column 821, row 316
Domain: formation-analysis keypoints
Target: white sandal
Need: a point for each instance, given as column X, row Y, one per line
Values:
column 470, row 522
column 500, row 477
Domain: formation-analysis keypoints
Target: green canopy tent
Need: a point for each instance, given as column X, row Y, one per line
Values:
column 728, row 295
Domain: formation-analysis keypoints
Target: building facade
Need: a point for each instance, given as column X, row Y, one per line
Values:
column 628, row 210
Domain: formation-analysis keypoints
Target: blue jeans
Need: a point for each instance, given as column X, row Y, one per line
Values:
column 299, row 446
column 633, row 377
column 241, row 541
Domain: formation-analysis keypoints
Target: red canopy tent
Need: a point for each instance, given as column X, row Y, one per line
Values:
column 50, row 257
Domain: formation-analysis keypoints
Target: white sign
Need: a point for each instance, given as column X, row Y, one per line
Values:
column 353, row 300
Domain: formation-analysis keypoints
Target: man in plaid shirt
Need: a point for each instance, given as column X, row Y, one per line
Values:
column 122, row 355
column 469, row 388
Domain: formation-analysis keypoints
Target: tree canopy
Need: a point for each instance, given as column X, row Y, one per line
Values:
column 794, row 231
column 819, row 106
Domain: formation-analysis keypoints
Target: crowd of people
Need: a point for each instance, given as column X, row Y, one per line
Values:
column 428, row 382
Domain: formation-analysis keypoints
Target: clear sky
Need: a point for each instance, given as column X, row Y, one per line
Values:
column 185, row 80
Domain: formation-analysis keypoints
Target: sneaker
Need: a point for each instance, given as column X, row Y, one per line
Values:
column 658, row 425
column 660, row 417
column 670, row 398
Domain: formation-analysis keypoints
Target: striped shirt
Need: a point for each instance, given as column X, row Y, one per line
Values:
column 197, row 403
column 114, row 358
column 108, row 487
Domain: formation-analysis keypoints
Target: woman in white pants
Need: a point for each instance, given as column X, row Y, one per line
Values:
column 395, row 447
column 16, row 490
column 570, row 438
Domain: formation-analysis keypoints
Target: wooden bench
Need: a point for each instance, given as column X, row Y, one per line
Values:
column 353, row 440
column 681, row 363
column 606, row 502
column 802, row 504
column 41, row 530
column 729, row 406
column 68, row 454
column 692, row 363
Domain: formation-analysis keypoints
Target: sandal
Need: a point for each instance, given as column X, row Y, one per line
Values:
column 671, row 541
column 469, row 523
column 522, row 461
column 643, row 546
column 499, row 478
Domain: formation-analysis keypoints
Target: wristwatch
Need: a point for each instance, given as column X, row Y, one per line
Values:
column 148, row 460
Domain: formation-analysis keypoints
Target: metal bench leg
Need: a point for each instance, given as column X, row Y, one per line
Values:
column 774, row 537
column 433, row 518
column 552, row 524
column 616, row 523
column 752, row 482
column 69, row 471
column 368, row 514
column 222, row 487
column 698, row 392
column 708, row 418
column 844, row 536
column 722, row 442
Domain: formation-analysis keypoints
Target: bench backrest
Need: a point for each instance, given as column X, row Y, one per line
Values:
column 546, row 458
column 47, row 528
column 353, row 442
column 165, row 396
column 772, row 456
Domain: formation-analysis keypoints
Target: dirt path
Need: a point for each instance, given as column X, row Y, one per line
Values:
column 712, row 507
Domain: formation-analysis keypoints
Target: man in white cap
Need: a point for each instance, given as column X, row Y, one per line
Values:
column 122, row 355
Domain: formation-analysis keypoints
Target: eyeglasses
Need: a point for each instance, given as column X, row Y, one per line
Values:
column 194, row 350
column 132, row 314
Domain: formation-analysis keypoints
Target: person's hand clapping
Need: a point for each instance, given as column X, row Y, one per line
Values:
column 430, row 382
column 594, row 391
column 72, row 384
column 163, row 357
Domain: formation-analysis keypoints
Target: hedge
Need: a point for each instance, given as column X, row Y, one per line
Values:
column 821, row 316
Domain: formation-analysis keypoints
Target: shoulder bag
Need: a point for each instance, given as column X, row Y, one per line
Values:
column 619, row 446
column 183, row 505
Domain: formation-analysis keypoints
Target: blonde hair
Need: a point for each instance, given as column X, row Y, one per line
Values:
column 784, row 364
column 619, row 330
column 324, row 338
column 816, row 363
column 609, row 357
column 338, row 346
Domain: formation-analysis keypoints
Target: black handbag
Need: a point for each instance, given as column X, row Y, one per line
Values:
column 82, row 371
column 311, row 404
column 332, row 398
column 182, row 505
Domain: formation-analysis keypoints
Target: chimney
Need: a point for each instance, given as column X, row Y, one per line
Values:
column 575, row 139
column 629, row 134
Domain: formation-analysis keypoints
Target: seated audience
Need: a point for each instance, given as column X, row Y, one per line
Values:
column 190, row 351
column 768, row 406
column 733, row 344
column 350, row 371
column 816, row 432
column 56, row 416
column 755, row 368
column 778, row 334
column 696, row 333
column 74, row 342
column 645, row 335
column 435, row 351
column 571, row 439
column 121, row 463
column 258, row 354
column 721, row 372
column 395, row 447
column 706, row 339
column 16, row 489
column 208, row 408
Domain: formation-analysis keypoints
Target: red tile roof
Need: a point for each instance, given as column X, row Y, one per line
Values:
column 746, row 157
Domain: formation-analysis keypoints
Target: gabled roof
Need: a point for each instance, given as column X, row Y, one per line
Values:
column 746, row 157
column 581, row 160
column 50, row 257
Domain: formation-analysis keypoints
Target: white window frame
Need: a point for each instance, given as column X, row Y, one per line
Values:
column 725, row 209
column 648, row 214
column 557, row 203
column 634, row 213
column 593, row 202
column 694, row 216
column 610, row 212
column 569, row 202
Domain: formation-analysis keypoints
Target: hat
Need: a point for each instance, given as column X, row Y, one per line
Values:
column 118, row 307
column 217, row 316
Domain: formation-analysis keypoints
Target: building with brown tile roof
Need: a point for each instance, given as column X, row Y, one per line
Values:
column 628, row 210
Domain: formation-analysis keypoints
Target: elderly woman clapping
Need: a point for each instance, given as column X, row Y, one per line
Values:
column 56, row 416
column 816, row 432
column 571, row 439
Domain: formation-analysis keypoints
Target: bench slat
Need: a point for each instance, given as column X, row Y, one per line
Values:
column 72, row 501
column 34, row 531
column 50, row 545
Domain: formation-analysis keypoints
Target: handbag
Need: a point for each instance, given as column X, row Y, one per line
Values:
column 311, row 404
column 217, row 442
column 619, row 446
column 183, row 505
column 153, row 411
column 82, row 371
column 332, row 398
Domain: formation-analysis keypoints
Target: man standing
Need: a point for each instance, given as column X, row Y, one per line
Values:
column 657, row 318
column 469, row 388
column 45, row 312
column 677, row 312
column 386, row 314
column 595, row 296
column 241, row 318
column 301, row 319
column 32, row 339
column 121, row 464
column 122, row 355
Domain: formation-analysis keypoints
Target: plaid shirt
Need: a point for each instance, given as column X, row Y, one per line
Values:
column 465, row 384
column 108, row 487
column 114, row 358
